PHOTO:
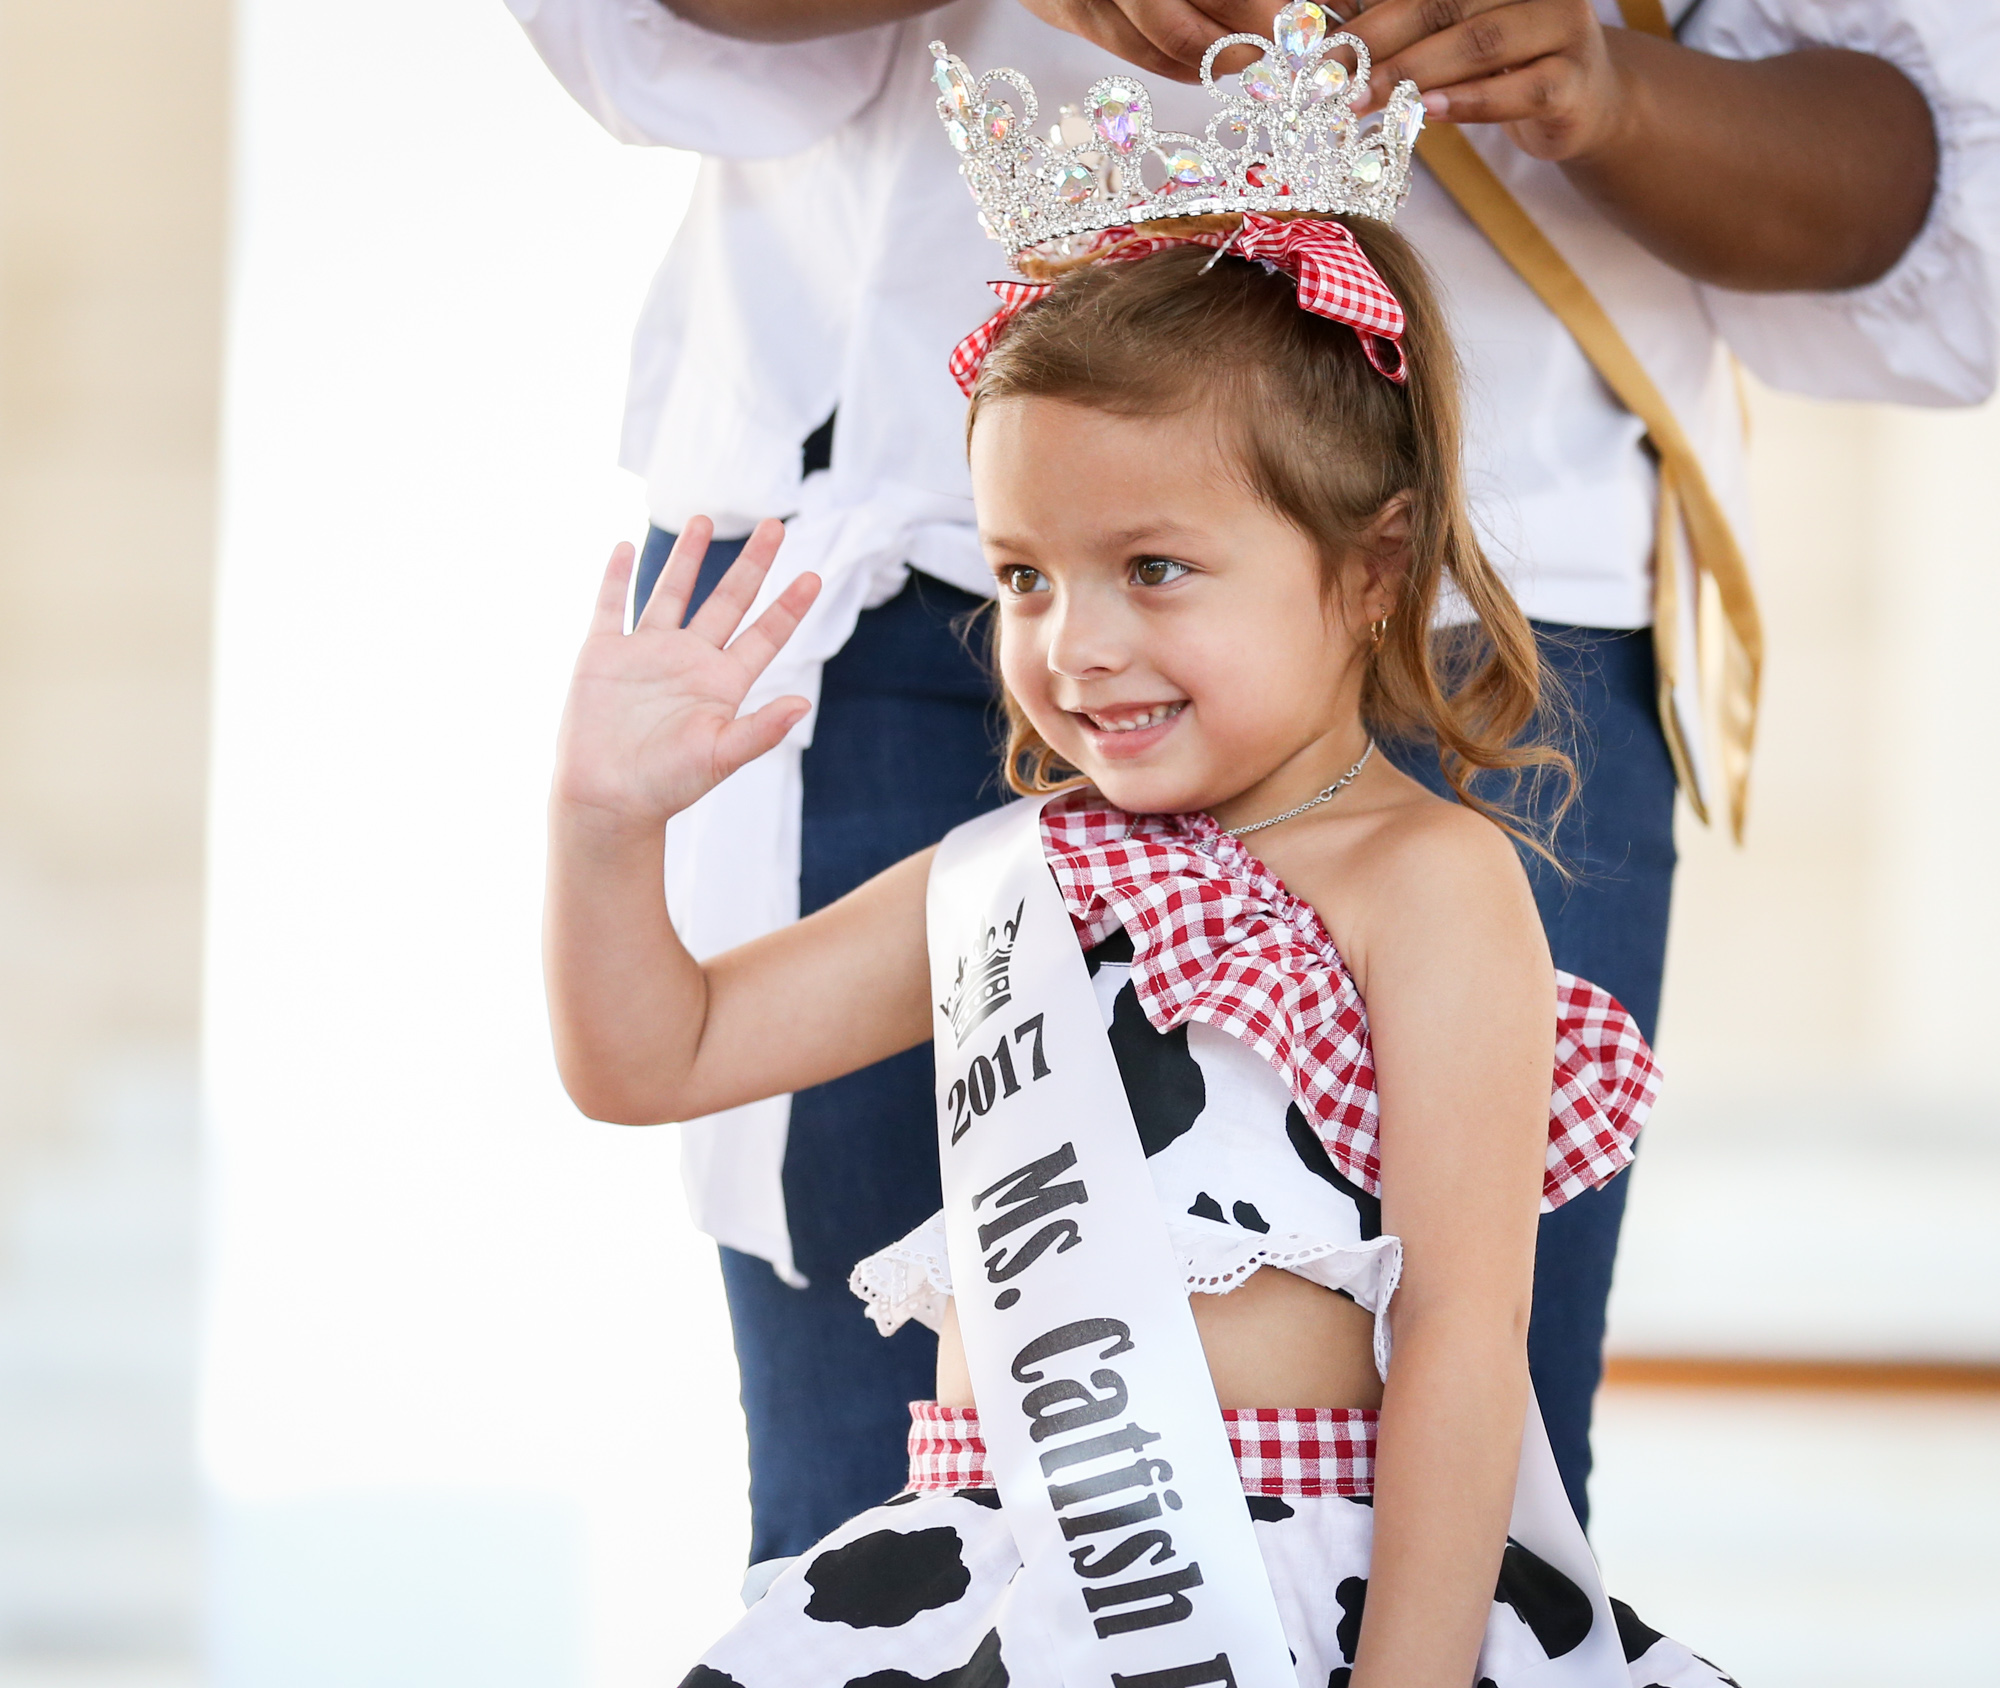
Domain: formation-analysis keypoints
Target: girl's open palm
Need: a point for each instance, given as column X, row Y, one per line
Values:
column 651, row 723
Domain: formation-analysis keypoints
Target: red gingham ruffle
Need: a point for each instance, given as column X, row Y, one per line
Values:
column 1279, row 1450
column 1217, row 938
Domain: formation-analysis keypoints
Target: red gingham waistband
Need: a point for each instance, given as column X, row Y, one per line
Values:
column 1279, row 1450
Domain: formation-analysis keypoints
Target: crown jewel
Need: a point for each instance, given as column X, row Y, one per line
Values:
column 1286, row 140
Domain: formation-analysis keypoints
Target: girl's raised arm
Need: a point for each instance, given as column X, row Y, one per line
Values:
column 643, row 1032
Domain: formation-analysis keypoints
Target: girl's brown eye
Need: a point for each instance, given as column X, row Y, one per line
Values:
column 1157, row 571
column 1021, row 581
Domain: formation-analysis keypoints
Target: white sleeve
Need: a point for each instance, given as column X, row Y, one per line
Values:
column 1926, row 332
column 654, row 79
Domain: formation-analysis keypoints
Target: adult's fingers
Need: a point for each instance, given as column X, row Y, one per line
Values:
column 758, row 643
column 1393, row 28
column 1105, row 22
column 608, row 614
column 1541, row 92
column 1180, row 30
column 1254, row 17
column 1244, row 17
column 1390, row 26
column 676, row 583
column 1505, row 38
column 726, row 606
column 750, row 736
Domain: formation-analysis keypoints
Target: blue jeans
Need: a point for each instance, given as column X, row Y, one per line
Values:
column 904, row 750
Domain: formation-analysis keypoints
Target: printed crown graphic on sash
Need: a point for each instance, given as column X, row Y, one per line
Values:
column 979, row 989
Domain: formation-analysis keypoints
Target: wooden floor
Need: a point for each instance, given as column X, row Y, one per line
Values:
column 1928, row 1377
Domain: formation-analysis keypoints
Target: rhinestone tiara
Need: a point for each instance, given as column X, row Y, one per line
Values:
column 1286, row 140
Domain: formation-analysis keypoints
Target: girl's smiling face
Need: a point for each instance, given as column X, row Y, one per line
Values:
column 1165, row 631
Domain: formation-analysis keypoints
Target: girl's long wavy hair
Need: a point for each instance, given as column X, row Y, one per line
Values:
column 1326, row 442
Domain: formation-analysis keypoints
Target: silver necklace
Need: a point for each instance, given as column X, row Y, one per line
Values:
column 1326, row 796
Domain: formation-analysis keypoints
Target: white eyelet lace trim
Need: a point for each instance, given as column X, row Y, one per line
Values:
column 911, row 1279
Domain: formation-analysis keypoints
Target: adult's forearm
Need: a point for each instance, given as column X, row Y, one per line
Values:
column 1811, row 171
column 792, row 20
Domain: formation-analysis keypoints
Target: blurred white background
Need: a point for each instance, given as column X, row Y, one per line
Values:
column 467, row 1408
column 467, row 1405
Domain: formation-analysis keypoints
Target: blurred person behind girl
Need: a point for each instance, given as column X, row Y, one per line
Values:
column 1813, row 185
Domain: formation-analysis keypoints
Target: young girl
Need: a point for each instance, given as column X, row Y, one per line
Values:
column 1221, row 527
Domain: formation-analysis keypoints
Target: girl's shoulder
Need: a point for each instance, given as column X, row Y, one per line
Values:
column 1413, row 870
column 1419, row 842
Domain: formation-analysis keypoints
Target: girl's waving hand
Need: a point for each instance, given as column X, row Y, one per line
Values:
column 643, row 1031
column 651, row 723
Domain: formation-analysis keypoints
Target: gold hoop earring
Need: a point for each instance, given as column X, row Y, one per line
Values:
column 1378, row 628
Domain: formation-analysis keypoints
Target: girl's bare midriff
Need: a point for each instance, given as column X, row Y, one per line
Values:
column 1277, row 1341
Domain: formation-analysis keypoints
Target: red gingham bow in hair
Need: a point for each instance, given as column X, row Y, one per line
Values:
column 970, row 353
column 1335, row 279
column 1334, row 276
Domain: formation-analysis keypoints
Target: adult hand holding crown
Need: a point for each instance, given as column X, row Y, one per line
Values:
column 1746, row 175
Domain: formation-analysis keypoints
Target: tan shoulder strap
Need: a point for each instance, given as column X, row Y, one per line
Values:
column 1688, row 505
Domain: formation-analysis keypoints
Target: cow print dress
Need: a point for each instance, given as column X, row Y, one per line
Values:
column 1259, row 1138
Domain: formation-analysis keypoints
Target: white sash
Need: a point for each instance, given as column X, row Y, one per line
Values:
column 1102, row 1429
column 1101, row 1425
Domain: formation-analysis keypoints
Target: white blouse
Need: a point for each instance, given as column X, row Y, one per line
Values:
column 830, row 258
